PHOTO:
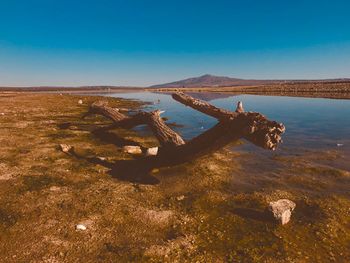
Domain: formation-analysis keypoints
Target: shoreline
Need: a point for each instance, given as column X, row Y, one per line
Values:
column 307, row 90
column 334, row 90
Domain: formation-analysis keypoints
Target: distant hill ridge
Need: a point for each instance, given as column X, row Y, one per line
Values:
column 208, row 80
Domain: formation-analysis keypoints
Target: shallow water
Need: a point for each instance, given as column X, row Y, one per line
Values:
column 312, row 124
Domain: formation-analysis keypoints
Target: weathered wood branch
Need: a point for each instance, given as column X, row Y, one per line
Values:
column 102, row 108
column 203, row 106
column 232, row 126
column 256, row 127
column 209, row 141
column 253, row 127
column 165, row 135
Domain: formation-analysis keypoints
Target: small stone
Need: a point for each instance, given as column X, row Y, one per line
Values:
column 66, row 148
column 102, row 158
column 55, row 188
column 340, row 144
column 80, row 102
column 2, row 114
column 282, row 210
column 80, row 227
column 152, row 151
column 132, row 149
column 180, row 198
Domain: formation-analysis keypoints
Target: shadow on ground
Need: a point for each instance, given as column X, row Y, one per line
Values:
column 136, row 170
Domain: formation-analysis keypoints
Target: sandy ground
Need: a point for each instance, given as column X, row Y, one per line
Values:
column 209, row 210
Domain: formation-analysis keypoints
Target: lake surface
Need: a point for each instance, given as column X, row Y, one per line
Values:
column 312, row 124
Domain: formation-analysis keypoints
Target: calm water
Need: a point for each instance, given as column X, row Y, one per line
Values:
column 312, row 123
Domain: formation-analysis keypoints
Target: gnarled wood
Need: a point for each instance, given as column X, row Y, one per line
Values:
column 256, row 127
column 166, row 136
column 109, row 112
column 232, row 126
column 204, row 107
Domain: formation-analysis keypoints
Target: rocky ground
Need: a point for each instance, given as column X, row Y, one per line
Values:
column 209, row 210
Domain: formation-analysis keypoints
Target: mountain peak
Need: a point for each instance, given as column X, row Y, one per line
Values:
column 207, row 76
column 206, row 80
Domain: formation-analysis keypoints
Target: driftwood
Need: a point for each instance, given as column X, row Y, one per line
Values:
column 231, row 126
column 253, row 126
column 166, row 136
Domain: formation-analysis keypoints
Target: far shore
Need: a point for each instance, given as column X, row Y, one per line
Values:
column 334, row 90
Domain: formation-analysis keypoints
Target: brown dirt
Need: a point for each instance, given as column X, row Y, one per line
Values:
column 209, row 210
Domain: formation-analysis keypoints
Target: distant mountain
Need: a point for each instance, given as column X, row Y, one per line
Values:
column 218, row 81
column 212, row 81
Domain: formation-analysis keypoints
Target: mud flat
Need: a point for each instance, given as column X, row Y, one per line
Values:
column 55, row 207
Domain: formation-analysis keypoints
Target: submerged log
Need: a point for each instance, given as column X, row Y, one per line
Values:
column 232, row 125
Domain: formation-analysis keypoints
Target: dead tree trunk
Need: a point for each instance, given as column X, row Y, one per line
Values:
column 203, row 106
column 253, row 126
column 231, row 126
column 166, row 136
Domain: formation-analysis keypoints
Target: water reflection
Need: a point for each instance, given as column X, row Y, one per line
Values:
column 312, row 123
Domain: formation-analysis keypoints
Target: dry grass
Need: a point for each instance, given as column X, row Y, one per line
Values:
column 210, row 210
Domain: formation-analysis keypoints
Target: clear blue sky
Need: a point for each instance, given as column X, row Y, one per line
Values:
column 139, row 42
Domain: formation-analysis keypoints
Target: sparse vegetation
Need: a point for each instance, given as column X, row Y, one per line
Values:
column 208, row 210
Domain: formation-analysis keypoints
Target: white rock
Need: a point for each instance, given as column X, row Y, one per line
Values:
column 80, row 101
column 80, row 227
column 282, row 210
column 152, row 151
column 132, row 149
column 55, row 188
column 66, row 148
column 180, row 198
column 339, row 144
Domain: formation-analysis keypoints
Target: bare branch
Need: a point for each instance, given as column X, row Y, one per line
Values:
column 232, row 126
column 203, row 106
column 165, row 135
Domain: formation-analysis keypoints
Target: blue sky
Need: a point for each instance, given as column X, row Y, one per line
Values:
column 139, row 42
